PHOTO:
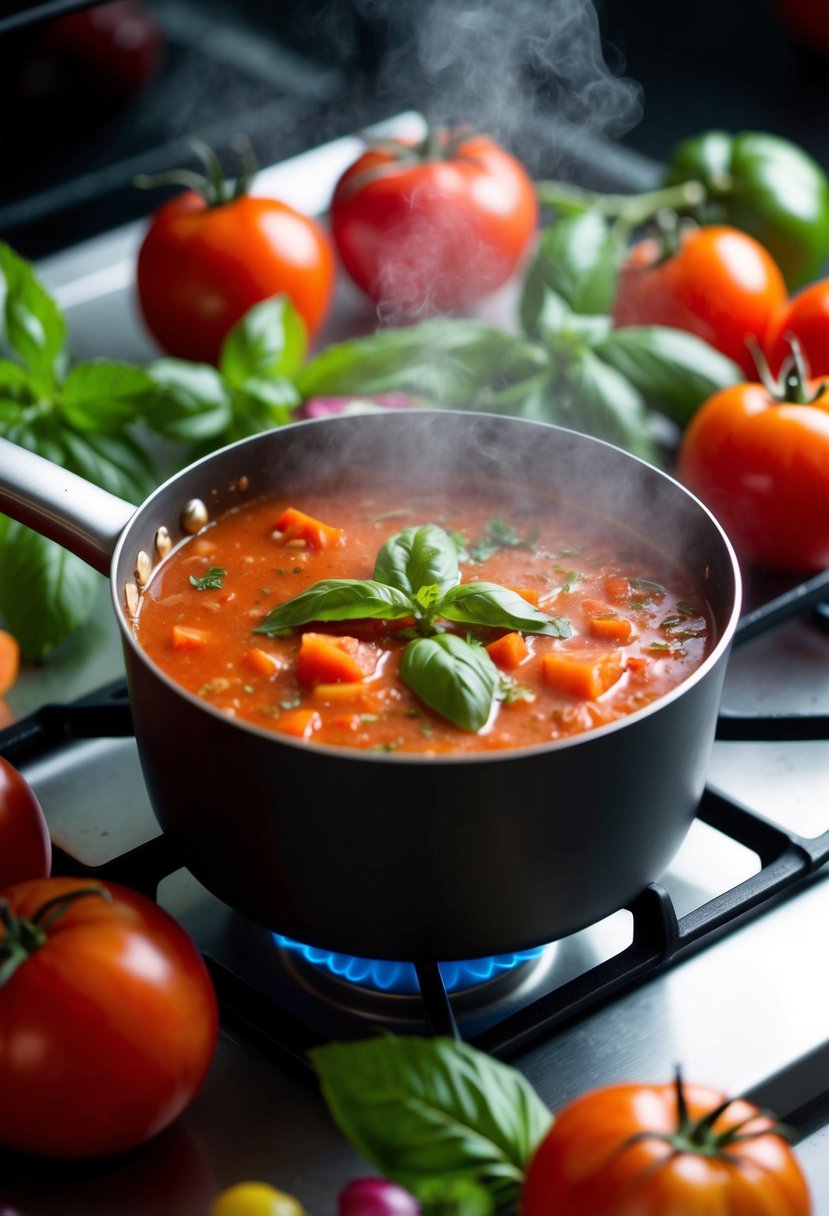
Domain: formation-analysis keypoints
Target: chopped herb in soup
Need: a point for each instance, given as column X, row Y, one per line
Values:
column 355, row 619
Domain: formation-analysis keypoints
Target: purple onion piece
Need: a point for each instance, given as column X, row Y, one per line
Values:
column 376, row 1197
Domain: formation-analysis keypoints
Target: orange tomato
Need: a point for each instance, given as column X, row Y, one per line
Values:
column 720, row 284
column 639, row 1150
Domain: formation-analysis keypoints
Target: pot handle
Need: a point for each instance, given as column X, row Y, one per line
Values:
column 58, row 504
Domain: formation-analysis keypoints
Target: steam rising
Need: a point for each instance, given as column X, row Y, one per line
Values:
column 509, row 66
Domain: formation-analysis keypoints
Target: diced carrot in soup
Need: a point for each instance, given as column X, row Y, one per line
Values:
column 508, row 651
column 183, row 637
column 261, row 663
column 530, row 594
column 358, row 695
column 327, row 659
column 300, row 722
column 586, row 675
column 294, row 525
column 611, row 628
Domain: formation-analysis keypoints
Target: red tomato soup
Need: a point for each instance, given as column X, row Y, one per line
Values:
column 636, row 625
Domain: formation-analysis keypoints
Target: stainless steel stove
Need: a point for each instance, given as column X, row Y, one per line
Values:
column 719, row 967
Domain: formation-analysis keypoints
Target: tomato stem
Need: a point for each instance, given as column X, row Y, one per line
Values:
column 24, row 936
column 790, row 387
column 630, row 210
column 212, row 185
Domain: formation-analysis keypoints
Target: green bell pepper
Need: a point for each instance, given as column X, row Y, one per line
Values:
column 764, row 185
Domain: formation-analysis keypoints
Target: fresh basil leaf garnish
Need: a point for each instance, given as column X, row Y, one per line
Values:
column 211, row 580
column 424, row 556
column 416, row 575
column 425, row 1108
column 455, row 678
column 338, row 599
column 499, row 535
column 500, row 608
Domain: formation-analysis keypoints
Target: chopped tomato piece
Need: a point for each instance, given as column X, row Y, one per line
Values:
column 582, row 674
column 637, row 663
column 183, row 637
column 327, row 659
column 299, row 722
column 508, row 651
column 295, row 525
column 618, row 588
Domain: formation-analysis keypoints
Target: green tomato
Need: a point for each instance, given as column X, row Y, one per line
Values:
column 765, row 185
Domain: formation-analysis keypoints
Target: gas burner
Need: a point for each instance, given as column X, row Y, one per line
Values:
column 390, row 991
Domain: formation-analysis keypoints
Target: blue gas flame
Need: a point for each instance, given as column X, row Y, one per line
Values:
column 401, row 978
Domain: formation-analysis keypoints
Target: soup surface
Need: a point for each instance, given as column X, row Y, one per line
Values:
column 626, row 625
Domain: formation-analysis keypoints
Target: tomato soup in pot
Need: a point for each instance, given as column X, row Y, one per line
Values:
column 363, row 617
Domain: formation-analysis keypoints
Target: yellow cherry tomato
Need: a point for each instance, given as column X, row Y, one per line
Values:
column 256, row 1199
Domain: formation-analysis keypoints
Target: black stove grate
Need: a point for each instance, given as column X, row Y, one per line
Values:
column 660, row 937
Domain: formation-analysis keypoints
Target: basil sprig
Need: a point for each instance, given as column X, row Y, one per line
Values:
column 568, row 365
column 416, row 575
column 93, row 417
column 422, row 1110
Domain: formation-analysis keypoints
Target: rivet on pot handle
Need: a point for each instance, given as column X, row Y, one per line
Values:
column 80, row 516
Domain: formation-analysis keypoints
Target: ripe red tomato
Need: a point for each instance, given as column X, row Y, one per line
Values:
column 806, row 316
column 720, row 284
column 25, row 848
column 200, row 268
column 761, row 465
column 118, row 46
column 433, row 227
column 628, row 1150
column 107, row 1027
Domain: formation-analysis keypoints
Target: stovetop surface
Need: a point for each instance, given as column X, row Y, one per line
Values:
column 747, row 1014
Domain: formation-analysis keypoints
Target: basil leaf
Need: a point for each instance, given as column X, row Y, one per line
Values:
column 529, row 399
column 424, row 556
column 578, row 258
column 338, row 599
column 675, row 371
column 453, row 677
column 261, row 404
column 104, row 396
column 448, row 360
column 14, row 381
column 115, row 462
column 270, row 340
column 193, row 403
column 600, row 401
column 35, row 327
column 423, row 1109
column 45, row 592
column 500, row 608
